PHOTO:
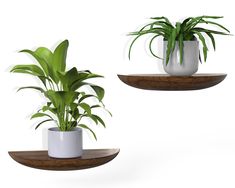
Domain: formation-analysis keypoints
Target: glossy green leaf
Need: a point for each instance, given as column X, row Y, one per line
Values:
column 32, row 87
column 41, row 61
column 39, row 114
column 31, row 69
column 99, row 120
column 85, row 107
column 59, row 56
column 45, row 54
column 43, row 122
column 99, row 91
column 86, row 127
column 85, row 97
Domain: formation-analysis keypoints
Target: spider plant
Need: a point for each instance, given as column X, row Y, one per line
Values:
column 187, row 30
column 66, row 99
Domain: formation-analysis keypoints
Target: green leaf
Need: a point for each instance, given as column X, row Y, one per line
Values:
column 99, row 120
column 170, row 45
column 61, row 98
column 39, row 114
column 43, row 122
column 86, row 108
column 30, row 69
column 99, row 91
column 73, row 124
column 129, row 53
column 161, row 18
column 41, row 61
column 44, row 54
column 86, row 127
column 73, row 106
column 32, row 87
column 184, row 23
column 59, row 57
column 93, row 118
column 92, row 75
column 84, row 97
column 174, row 34
column 178, row 27
column 205, row 49
column 212, row 39
column 96, row 106
column 47, row 108
column 214, row 23
column 212, row 17
column 75, row 113
column 150, row 47
column 68, row 78
column 199, row 29
column 181, row 47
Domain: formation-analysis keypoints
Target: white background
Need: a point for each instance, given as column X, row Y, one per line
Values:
column 167, row 139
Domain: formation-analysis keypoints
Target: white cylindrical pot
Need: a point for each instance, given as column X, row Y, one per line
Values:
column 190, row 59
column 64, row 144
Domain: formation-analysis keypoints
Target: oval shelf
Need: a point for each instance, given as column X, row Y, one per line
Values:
column 172, row 83
column 41, row 160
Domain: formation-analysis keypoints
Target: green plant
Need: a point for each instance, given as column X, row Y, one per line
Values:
column 188, row 30
column 66, row 100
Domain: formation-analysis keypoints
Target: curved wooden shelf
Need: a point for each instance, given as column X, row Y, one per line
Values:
column 172, row 83
column 41, row 160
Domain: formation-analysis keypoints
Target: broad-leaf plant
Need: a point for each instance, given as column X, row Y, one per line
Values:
column 188, row 30
column 67, row 102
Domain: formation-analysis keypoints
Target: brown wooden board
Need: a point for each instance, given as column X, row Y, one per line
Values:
column 41, row 160
column 172, row 83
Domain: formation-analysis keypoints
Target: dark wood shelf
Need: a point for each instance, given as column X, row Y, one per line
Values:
column 41, row 160
column 172, row 83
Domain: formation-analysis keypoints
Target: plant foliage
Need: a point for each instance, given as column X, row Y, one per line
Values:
column 188, row 30
column 66, row 101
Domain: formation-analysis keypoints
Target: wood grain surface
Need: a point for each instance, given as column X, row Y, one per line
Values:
column 41, row 160
column 172, row 83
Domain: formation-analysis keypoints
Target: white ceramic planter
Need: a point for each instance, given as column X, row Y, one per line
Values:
column 64, row 144
column 190, row 59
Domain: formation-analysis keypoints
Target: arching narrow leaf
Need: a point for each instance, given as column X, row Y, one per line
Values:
column 39, row 114
column 150, row 47
column 85, row 97
column 205, row 49
column 181, row 47
column 32, row 87
column 86, row 127
column 133, row 41
column 31, row 69
column 99, row 120
column 43, row 122
column 212, row 39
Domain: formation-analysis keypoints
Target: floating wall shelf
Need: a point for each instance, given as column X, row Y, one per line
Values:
column 172, row 83
column 41, row 160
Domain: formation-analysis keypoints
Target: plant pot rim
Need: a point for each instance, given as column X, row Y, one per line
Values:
column 56, row 129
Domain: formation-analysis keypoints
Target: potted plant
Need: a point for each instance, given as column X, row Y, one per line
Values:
column 67, row 102
column 181, row 41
